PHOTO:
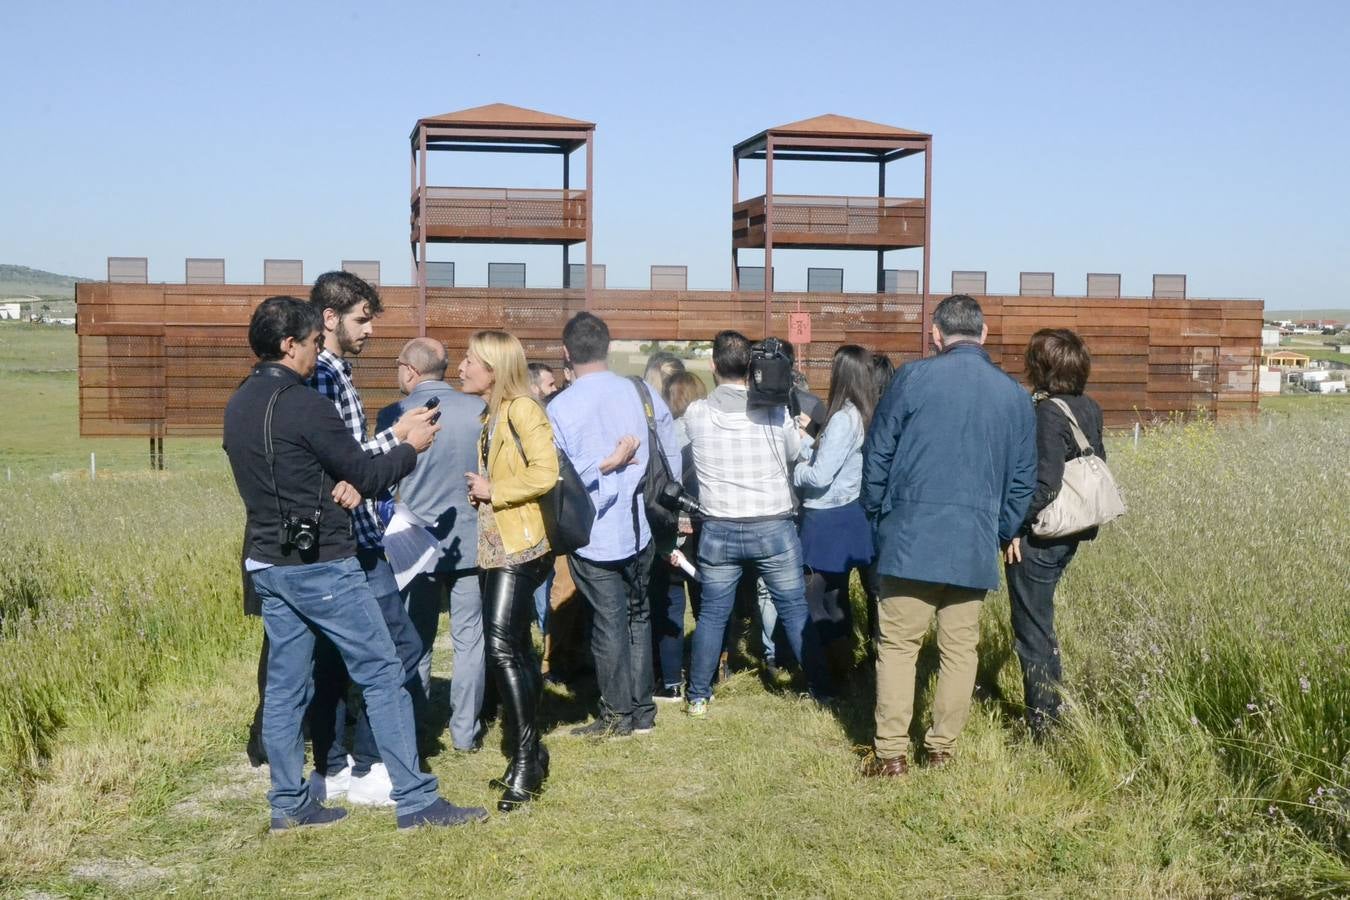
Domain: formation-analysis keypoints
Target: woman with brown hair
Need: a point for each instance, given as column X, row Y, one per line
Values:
column 1057, row 365
column 836, row 536
column 518, row 465
column 667, row 584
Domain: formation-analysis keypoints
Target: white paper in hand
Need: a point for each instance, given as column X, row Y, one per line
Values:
column 409, row 547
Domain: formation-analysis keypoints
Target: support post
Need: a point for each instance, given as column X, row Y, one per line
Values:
column 422, row 232
column 93, row 469
column 927, row 244
column 567, row 183
column 590, row 212
column 735, row 198
column 881, row 196
column 768, row 236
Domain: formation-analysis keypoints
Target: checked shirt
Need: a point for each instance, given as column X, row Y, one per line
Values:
column 333, row 379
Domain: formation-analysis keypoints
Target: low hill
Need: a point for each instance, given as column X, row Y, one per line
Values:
column 20, row 281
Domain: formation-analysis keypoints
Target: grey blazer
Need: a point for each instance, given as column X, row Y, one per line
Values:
column 436, row 490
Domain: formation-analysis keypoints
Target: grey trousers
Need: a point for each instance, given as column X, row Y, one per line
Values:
column 424, row 596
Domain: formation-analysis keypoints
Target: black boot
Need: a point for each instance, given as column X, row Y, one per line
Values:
column 523, row 783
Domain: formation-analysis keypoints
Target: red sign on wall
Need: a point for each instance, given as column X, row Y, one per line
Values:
column 799, row 328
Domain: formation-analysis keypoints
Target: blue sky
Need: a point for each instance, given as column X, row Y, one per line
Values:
column 1205, row 138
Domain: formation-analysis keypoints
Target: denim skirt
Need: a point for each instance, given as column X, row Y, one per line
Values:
column 836, row 539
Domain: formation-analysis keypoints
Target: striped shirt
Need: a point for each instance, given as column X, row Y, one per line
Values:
column 333, row 379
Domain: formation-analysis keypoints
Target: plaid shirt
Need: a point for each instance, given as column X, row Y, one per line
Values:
column 742, row 457
column 333, row 379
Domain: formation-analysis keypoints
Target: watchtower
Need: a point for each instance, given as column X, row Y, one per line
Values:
column 812, row 222
column 489, row 215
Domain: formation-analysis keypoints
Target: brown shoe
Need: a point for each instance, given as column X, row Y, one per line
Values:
column 939, row 758
column 880, row 767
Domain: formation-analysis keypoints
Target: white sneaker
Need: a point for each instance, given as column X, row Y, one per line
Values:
column 371, row 789
column 330, row 787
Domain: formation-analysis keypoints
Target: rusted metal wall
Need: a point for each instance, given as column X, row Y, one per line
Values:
column 164, row 358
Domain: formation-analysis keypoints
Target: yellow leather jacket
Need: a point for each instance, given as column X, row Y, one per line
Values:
column 518, row 483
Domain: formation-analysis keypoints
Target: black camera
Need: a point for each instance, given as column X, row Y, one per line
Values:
column 676, row 499
column 300, row 532
column 770, row 381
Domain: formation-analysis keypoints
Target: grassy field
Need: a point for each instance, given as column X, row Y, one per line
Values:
column 1205, row 640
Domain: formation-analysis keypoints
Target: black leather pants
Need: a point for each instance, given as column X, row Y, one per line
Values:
column 508, row 610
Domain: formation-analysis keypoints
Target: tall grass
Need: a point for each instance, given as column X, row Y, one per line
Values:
column 110, row 585
column 1205, row 639
column 1207, row 635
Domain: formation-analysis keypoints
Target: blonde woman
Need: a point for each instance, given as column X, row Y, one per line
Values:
column 518, row 465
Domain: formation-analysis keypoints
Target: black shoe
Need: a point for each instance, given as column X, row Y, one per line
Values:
column 604, row 728
column 257, row 756
column 315, row 814
column 442, row 813
column 669, row 694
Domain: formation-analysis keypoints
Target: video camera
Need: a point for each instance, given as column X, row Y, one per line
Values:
column 770, row 379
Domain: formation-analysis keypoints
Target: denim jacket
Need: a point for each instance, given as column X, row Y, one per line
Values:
column 829, row 469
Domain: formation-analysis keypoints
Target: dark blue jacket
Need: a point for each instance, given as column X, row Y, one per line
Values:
column 949, row 468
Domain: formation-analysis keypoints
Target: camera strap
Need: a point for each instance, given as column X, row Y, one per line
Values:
column 270, row 454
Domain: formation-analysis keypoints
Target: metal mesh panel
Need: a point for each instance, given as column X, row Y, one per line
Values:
column 1036, row 284
column 751, row 277
column 283, row 271
column 1169, row 287
column 579, row 275
column 670, row 278
column 506, row 275
column 969, row 282
column 1103, row 285
column 367, row 269
column 204, row 271
column 440, row 274
column 902, row 281
column 825, row 281
column 128, row 269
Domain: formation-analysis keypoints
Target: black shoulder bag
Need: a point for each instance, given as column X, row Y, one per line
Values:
column 569, row 511
column 663, row 522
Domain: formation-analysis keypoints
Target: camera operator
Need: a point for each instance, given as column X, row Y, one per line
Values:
column 290, row 451
column 741, row 457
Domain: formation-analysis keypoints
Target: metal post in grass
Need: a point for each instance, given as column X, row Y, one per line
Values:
column 93, row 469
column 1136, row 435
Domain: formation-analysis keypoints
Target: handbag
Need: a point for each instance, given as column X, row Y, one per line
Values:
column 1088, row 497
column 569, row 511
column 662, row 521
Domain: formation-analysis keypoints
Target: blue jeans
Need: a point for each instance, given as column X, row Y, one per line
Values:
column 329, row 710
column 773, row 551
column 1031, row 595
column 335, row 600
column 423, row 597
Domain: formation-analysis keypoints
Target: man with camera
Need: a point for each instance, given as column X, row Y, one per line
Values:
column 596, row 422
column 742, row 452
column 293, row 458
column 435, row 492
column 949, row 467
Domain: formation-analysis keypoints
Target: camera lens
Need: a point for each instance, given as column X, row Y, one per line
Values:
column 304, row 540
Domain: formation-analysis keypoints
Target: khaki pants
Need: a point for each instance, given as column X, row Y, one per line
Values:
column 904, row 612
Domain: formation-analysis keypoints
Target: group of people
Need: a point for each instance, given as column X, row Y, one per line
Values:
column 920, row 479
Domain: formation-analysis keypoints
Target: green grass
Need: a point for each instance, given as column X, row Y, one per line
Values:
column 40, row 406
column 1205, row 642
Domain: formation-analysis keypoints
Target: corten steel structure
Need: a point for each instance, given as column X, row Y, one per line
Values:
column 162, row 359
column 500, row 215
column 877, row 223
